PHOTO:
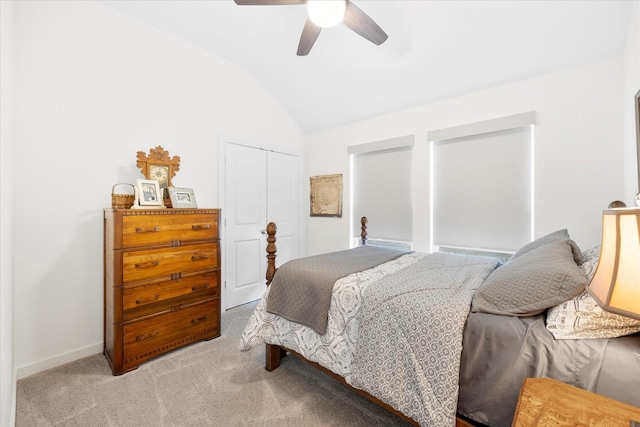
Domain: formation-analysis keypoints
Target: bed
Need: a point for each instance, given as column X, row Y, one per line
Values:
column 447, row 339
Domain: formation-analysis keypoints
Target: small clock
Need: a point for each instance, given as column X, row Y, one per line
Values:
column 158, row 165
column 159, row 173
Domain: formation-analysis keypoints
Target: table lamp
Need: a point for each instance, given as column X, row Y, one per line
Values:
column 616, row 282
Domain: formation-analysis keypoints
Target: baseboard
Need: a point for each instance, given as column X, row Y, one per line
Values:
column 59, row 360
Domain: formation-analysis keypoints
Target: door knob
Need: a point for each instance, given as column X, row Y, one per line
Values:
column 264, row 232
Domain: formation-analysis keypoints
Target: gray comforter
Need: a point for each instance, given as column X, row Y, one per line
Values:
column 301, row 289
column 410, row 335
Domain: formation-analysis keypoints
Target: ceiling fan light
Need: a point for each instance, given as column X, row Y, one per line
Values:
column 326, row 13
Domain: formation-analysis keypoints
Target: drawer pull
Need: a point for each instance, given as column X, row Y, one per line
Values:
column 198, row 227
column 147, row 300
column 147, row 230
column 148, row 264
column 147, row 335
column 200, row 319
column 199, row 257
column 200, row 288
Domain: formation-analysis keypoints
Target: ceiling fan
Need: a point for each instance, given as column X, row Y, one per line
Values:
column 326, row 13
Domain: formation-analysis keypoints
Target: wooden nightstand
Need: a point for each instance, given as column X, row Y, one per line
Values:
column 547, row 402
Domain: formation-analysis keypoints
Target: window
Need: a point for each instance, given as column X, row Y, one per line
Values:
column 482, row 184
column 381, row 191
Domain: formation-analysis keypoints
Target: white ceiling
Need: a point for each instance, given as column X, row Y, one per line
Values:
column 435, row 50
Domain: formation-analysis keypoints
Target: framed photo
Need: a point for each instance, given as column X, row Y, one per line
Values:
column 149, row 193
column 182, row 197
column 326, row 195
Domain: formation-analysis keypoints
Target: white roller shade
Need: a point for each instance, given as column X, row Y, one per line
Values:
column 381, row 189
column 482, row 190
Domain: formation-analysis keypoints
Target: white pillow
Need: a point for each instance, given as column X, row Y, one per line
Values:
column 582, row 317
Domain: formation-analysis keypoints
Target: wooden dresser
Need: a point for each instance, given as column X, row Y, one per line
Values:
column 161, row 282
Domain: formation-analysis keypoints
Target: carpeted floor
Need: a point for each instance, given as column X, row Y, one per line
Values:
column 205, row 384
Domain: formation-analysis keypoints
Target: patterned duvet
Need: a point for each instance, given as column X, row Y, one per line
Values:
column 394, row 331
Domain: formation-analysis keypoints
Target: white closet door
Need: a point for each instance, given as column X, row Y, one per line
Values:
column 246, row 217
column 260, row 186
column 283, row 204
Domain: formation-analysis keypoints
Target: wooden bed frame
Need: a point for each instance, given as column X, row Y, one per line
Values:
column 274, row 353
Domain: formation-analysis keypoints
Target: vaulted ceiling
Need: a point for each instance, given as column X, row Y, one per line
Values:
column 435, row 50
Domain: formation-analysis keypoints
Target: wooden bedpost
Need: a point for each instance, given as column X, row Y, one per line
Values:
column 363, row 234
column 271, row 251
column 273, row 353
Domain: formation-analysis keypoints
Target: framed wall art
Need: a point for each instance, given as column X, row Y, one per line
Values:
column 182, row 197
column 326, row 195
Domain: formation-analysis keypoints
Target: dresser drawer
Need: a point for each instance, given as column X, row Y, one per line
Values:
column 146, row 230
column 147, row 299
column 165, row 262
column 146, row 338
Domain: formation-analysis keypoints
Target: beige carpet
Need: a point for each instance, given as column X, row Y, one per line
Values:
column 205, row 384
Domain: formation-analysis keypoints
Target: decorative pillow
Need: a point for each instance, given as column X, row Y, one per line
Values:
column 532, row 282
column 582, row 317
column 551, row 237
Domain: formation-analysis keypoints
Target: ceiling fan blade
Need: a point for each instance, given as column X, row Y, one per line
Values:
column 267, row 2
column 361, row 23
column 310, row 33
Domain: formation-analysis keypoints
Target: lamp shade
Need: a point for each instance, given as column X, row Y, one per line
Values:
column 616, row 282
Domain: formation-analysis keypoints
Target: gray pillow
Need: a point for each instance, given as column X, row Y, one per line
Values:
column 551, row 237
column 532, row 282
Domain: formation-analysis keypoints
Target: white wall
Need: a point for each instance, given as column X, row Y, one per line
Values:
column 7, row 371
column 93, row 87
column 631, row 87
column 578, row 150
